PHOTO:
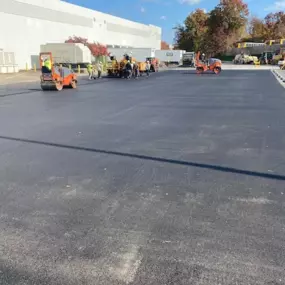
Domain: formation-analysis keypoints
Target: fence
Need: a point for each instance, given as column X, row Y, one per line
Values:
column 257, row 50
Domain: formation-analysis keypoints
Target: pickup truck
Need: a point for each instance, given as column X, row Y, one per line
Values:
column 245, row 59
column 281, row 63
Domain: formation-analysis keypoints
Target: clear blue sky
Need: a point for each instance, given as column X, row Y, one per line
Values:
column 168, row 13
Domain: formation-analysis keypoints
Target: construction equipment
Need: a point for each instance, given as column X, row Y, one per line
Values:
column 142, row 67
column 117, row 68
column 55, row 77
column 266, row 58
column 113, row 67
column 139, row 53
column 245, row 59
column 281, row 64
column 213, row 64
column 279, row 54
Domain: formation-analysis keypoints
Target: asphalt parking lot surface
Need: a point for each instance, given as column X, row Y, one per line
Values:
column 175, row 179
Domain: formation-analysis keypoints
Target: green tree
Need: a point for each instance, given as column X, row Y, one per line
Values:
column 226, row 24
column 183, row 39
column 216, row 31
column 196, row 26
column 190, row 36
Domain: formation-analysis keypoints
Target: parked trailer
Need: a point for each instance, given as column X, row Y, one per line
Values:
column 68, row 53
column 170, row 56
column 140, row 54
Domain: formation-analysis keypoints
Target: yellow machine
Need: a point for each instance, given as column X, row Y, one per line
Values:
column 270, row 42
column 275, row 42
column 116, row 68
column 279, row 54
column 113, row 67
column 142, row 66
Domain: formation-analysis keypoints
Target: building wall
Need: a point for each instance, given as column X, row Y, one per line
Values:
column 34, row 22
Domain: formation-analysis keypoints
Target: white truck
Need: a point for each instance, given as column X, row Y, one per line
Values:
column 68, row 53
column 170, row 56
column 188, row 59
column 244, row 59
column 140, row 54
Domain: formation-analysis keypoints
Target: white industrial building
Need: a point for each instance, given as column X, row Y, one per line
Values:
column 26, row 24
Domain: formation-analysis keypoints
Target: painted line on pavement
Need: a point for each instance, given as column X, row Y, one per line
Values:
column 280, row 78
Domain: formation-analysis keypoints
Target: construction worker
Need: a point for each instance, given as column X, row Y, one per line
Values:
column 132, row 62
column 99, row 67
column 147, row 68
column 46, row 68
column 128, row 70
column 136, row 71
column 93, row 71
column 114, row 61
column 90, row 70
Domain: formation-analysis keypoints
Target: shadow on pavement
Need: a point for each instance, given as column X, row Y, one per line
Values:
column 193, row 72
column 20, row 93
column 157, row 159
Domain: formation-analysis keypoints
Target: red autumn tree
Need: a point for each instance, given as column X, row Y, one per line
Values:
column 95, row 48
column 275, row 25
column 77, row 40
column 164, row 45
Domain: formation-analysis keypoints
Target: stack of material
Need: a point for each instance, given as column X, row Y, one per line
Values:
column 8, row 62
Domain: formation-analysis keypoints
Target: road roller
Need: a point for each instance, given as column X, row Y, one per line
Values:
column 55, row 77
column 213, row 64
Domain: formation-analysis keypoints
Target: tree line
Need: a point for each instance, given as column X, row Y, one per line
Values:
column 229, row 22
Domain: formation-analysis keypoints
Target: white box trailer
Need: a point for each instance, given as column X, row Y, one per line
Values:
column 170, row 56
column 68, row 53
column 140, row 54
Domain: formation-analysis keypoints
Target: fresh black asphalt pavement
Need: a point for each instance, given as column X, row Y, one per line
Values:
column 172, row 179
